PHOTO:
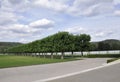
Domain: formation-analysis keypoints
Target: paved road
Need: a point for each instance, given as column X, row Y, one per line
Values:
column 39, row 72
column 106, row 74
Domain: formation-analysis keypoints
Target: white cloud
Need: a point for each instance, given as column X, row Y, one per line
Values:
column 33, row 27
column 104, row 33
column 8, row 11
column 23, row 40
column 100, row 34
column 25, row 31
column 91, row 7
column 43, row 23
column 51, row 4
column 7, row 18
column 15, row 5
column 20, row 28
column 78, row 7
column 116, row 2
column 117, row 13
column 76, row 30
column 16, row 20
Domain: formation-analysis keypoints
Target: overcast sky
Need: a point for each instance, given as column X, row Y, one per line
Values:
column 29, row 20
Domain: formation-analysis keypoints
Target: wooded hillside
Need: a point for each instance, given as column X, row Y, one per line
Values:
column 109, row 44
column 6, row 45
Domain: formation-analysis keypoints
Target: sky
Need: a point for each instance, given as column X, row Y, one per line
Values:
column 28, row 20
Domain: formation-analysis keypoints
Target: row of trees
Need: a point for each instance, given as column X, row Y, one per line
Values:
column 59, row 42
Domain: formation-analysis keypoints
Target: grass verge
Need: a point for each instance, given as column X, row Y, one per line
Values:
column 103, row 56
column 15, row 61
column 111, row 60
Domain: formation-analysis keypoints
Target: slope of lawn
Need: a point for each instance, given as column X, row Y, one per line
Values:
column 15, row 61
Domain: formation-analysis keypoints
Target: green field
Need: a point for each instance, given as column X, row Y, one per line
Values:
column 15, row 61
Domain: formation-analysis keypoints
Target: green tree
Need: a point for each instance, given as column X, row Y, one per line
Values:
column 82, row 42
column 63, row 42
column 59, row 42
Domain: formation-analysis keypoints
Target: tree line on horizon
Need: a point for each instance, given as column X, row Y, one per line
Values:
column 63, row 42
column 59, row 42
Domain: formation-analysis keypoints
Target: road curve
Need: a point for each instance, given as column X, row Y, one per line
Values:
column 105, row 74
column 40, row 72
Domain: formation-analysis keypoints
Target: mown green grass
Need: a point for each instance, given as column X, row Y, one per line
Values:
column 103, row 56
column 113, row 59
column 15, row 61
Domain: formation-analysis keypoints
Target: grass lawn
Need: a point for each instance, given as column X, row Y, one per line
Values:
column 113, row 59
column 103, row 56
column 15, row 61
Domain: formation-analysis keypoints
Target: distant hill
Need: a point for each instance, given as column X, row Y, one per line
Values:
column 111, row 41
column 5, row 45
column 109, row 44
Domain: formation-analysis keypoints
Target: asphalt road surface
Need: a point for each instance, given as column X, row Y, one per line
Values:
column 36, row 73
column 105, row 74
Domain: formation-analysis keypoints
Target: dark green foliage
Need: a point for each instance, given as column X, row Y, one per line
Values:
column 82, row 43
column 64, row 42
column 110, row 44
column 103, row 46
column 6, row 45
column 59, row 42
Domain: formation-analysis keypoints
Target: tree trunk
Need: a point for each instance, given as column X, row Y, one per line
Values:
column 72, row 53
column 52, row 55
column 35, row 54
column 81, row 53
column 39, row 54
column 88, row 53
column 44, row 55
column 107, row 52
column 26, row 54
column 32, row 54
column 56, row 53
column 62, row 55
